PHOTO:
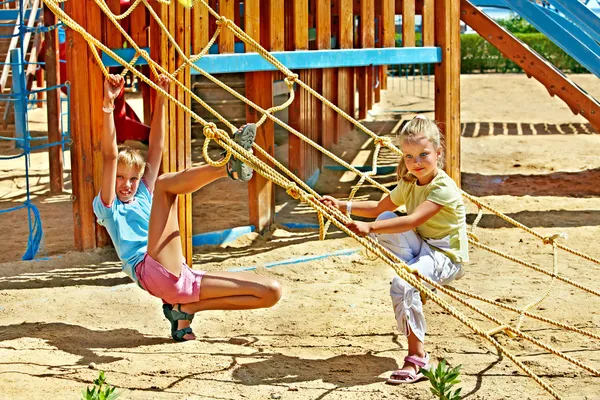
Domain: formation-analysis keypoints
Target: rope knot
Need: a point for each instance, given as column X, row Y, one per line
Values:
column 291, row 78
column 293, row 190
column 551, row 239
column 210, row 131
column 382, row 141
column 224, row 21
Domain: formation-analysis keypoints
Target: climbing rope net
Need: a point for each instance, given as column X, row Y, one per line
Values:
column 296, row 188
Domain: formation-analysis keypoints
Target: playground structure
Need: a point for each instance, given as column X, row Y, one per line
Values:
column 24, row 26
column 178, row 157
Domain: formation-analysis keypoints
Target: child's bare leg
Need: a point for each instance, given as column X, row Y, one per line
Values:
column 164, row 243
column 415, row 348
column 234, row 291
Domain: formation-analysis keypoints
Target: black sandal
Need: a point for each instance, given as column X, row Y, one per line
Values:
column 174, row 316
column 244, row 137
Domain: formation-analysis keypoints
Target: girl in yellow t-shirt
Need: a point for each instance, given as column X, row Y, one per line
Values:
column 432, row 237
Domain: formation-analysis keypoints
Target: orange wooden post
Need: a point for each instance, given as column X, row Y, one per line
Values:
column 298, row 149
column 447, row 81
column 328, row 75
column 139, row 33
column 378, row 43
column 346, row 88
column 226, row 37
column 82, row 163
column 52, row 59
column 200, row 25
column 112, row 36
column 259, row 89
column 388, row 31
column 428, row 23
column 408, row 23
column 366, row 39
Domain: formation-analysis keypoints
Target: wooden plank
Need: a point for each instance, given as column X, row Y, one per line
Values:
column 408, row 23
column 226, row 38
column 366, row 39
column 82, row 174
column 200, row 25
column 96, row 86
column 346, row 40
column 378, row 43
column 259, row 89
column 112, row 36
column 52, row 60
column 277, row 31
column 388, row 31
column 328, row 124
column 298, row 149
column 447, row 81
column 428, row 25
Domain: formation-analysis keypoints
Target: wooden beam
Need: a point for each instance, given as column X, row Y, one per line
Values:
column 52, row 60
column 326, row 125
column 388, row 30
column 259, row 89
column 408, row 23
column 82, row 173
column 364, row 74
column 226, row 38
column 447, row 81
column 346, row 88
column 428, row 23
column 297, row 116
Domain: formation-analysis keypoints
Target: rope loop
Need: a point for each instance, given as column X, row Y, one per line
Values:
column 382, row 141
column 210, row 131
column 290, row 79
column 293, row 190
column 551, row 239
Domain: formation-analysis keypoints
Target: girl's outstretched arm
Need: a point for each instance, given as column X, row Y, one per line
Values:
column 113, row 85
column 157, row 135
column 420, row 215
column 368, row 209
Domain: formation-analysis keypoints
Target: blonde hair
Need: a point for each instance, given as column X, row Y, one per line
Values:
column 131, row 157
column 420, row 126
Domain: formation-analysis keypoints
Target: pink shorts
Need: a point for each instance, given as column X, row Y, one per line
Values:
column 161, row 283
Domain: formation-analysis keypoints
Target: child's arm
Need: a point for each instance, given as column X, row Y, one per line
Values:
column 113, row 85
column 420, row 215
column 157, row 136
column 368, row 209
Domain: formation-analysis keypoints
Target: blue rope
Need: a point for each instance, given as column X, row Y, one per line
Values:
column 36, row 233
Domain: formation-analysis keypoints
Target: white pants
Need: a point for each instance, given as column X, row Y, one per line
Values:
column 433, row 264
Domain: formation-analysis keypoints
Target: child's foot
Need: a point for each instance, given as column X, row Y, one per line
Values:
column 181, row 325
column 237, row 169
column 409, row 373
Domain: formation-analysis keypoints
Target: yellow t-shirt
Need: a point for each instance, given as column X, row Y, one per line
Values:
column 447, row 230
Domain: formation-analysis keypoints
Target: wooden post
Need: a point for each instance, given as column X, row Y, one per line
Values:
column 388, row 30
column 428, row 23
column 52, row 60
column 447, row 81
column 367, row 39
column 298, row 150
column 259, row 89
column 226, row 37
column 82, row 163
column 328, row 75
column 346, row 88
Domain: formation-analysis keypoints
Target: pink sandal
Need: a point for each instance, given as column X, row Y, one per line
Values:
column 402, row 376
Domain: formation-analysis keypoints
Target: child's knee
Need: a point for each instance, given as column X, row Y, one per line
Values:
column 386, row 215
column 271, row 293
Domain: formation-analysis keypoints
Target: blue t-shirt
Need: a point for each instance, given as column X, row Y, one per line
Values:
column 127, row 224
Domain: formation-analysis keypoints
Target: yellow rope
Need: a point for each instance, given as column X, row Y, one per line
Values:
column 307, row 195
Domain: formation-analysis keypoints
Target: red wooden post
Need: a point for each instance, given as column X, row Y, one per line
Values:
column 52, row 60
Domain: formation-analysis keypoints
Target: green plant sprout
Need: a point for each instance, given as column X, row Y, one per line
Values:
column 442, row 379
column 101, row 390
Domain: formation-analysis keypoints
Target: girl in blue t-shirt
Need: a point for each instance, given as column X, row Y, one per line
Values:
column 432, row 238
column 139, row 210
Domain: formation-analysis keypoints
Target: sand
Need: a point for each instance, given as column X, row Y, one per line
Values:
column 332, row 335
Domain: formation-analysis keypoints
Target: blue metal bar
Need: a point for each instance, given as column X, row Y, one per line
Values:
column 581, row 15
column 8, row 15
column 559, row 34
column 18, row 89
column 251, row 62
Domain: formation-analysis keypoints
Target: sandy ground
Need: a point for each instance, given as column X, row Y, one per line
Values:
column 332, row 335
